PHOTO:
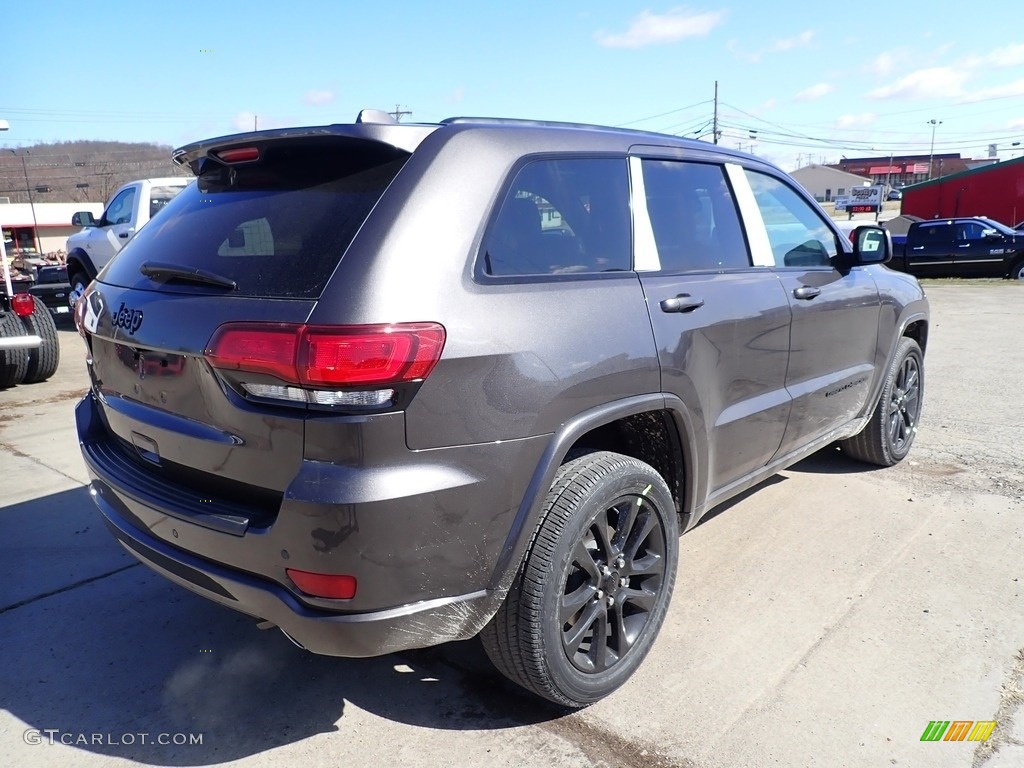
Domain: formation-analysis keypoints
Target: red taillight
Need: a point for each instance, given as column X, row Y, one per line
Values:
column 256, row 348
column 239, row 155
column 338, row 356
column 333, row 585
column 373, row 355
column 23, row 304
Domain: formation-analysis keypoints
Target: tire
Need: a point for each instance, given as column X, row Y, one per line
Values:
column 79, row 282
column 603, row 556
column 1017, row 271
column 42, row 361
column 887, row 438
column 13, row 362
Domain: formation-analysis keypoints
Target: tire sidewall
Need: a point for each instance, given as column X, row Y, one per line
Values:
column 566, row 677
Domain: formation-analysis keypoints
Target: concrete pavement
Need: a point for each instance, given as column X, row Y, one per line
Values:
column 823, row 619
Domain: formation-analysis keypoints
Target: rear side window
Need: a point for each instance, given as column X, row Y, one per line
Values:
column 161, row 196
column 562, row 216
column 935, row 234
column 693, row 217
column 277, row 227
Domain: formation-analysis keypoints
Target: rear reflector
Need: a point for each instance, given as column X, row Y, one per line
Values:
column 333, row 356
column 23, row 304
column 333, row 585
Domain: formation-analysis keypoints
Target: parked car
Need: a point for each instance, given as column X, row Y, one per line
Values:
column 963, row 247
column 389, row 385
column 894, row 194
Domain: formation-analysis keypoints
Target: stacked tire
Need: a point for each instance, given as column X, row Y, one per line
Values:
column 29, row 366
column 13, row 362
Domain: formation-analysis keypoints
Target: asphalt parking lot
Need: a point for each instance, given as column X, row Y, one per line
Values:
column 822, row 619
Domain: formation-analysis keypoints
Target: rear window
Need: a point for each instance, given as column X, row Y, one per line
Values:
column 277, row 227
column 561, row 217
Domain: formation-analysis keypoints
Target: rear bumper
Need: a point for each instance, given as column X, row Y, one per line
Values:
column 422, row 539
column 352, row 635
column 54, row 296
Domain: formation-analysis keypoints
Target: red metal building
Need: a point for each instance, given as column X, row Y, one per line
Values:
column 995, row 191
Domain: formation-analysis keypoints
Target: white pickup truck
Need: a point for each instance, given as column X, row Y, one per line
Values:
column 128, row 210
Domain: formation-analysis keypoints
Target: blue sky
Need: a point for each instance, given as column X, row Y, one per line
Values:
column 817, row 80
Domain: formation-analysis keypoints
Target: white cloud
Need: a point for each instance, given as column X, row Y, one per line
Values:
column 767, row 104
column 243, row 121
column 933, row 82
column 457, row 95
column 814, row 92
column 653, row 29
column 1010, row 56
column 319, row 97
column 848, row 121
column 1016, row 125
column 1016, row 88
column 789, row 43
column 778, row 46
column 882, row 65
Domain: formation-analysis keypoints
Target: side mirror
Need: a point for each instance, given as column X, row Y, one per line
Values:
column 871, row 245
column 83, row 219
column 992, row 234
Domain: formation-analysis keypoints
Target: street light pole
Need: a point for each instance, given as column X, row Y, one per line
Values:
column 931, row 152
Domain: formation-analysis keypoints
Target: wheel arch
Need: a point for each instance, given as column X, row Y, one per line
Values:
column 80, row 259
column 654, row 428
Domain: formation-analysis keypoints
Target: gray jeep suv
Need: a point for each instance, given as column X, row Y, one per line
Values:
column 388, row 385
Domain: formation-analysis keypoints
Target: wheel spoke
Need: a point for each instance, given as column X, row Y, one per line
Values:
column 627, row 518
column 623, row 641
column 603, row 533
column 572, row 638
column 640, row 598
column 599, row 652
column 640, row 533
column 572, row 603
column 647, row 565
column 584, row 558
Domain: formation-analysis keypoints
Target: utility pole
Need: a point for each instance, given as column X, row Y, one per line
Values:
column 714, row 124
column 31, row 202
column 931, row 152
column 399, row 113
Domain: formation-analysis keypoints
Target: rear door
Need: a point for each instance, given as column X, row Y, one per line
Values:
column 930, row 249
column 833, row 343
column 254, row 242
column 721, row 322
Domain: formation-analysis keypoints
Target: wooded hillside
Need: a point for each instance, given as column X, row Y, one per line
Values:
column 80, row 171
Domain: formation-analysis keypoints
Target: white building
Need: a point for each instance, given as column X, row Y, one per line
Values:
column 52, row 219
column 826, row 183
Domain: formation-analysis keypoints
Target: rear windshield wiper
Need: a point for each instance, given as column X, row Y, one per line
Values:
column 161, row 271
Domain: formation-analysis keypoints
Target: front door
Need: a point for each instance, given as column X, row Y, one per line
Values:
column 833, row 343
column 721, row 323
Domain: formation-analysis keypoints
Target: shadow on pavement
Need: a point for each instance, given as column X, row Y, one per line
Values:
column 118, row 650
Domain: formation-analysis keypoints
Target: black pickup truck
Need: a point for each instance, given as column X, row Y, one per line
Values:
column 50, row 287
column 960, row 247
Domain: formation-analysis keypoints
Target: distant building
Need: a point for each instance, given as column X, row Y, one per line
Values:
column 901, row 170
column 826, row 183
column 54, row 221
column 995, row 191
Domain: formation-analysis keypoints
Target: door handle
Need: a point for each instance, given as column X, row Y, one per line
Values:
column 124, row 235
column 684, row 302
column 806, row 292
